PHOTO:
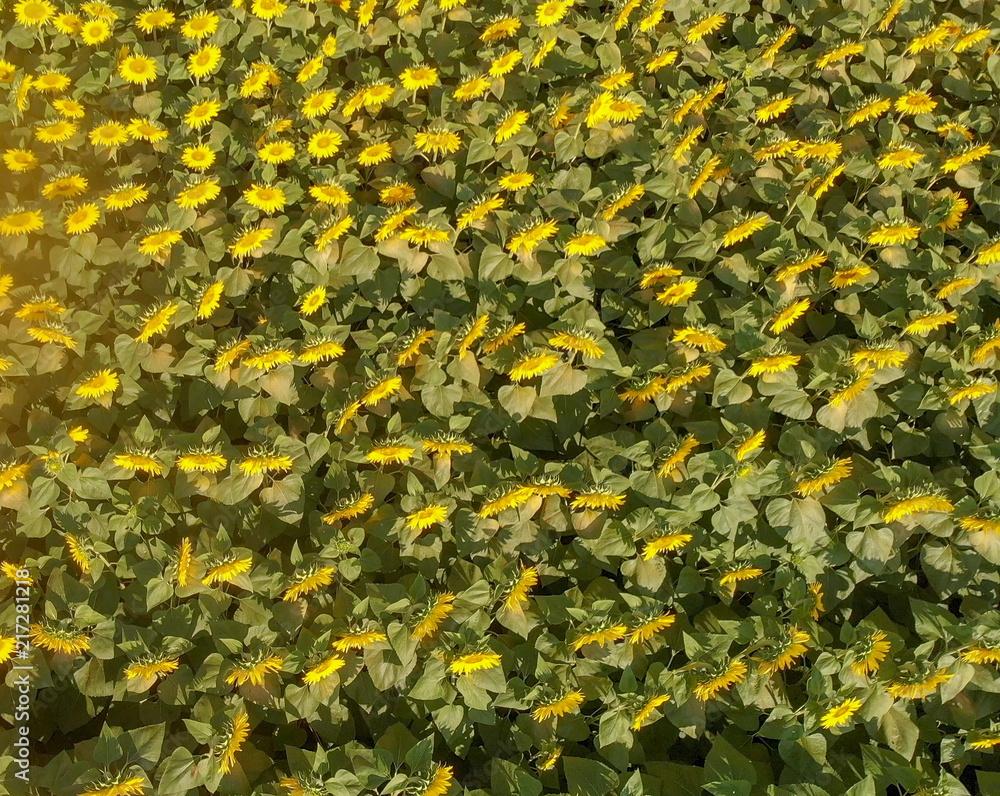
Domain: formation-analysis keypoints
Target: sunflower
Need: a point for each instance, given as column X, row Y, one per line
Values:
column 122, row 784
column 584, row 245
column 225, row 568
column 971, row 392
column 745, row 229
column 971, row 154
column 731, row 577
column 60, row 640
column 81, row 219
column 505, row 63
column 358, row 639
column 156, row 321
column 20, row 161
column 917, row 501
column 437, row 140
column 95, row 31
column 330, row 193
column 552, row 12
column 201, row 113
column 21, row 222
column 276, row 152
column 928, row 322
column 137, row 69
column 99, row 384
column 433, row 616
column 705, row 26
column 511, row 123
column 204, row 61
column 599, row 499
column 773, row 109
column 579, row 341
column 229, row 353
column 79, row 552
column 159, row 241
column 350, row 508
column 390, row 453
column 268, row 9
column 649, row 627
column 324, row 144
column 893, row 234
column 516, row 181
column 153, row 19
column 202, row 460
column 869, row 653
column 446, row 445
column 840, row 714
column 823, row 477
column 266, row 198
column 152, row 667
column 198, row 193
column 919, row 686
column 418, row 77
column 56, row 132
column 851, row 388
column 263, row 459
column 139, row 460
column 126, row 195
column 305, row 581
column 200, row 25
column 250, row 240
column 720, row 678
column 566, row 704
column 785, row 652
column 374, row 154
column 532, row 365
column 914, row 102
column 237, row 732
column 33, row 13
column 677, row 454
column 530, row 235
column 840, row 53
column 426, row 517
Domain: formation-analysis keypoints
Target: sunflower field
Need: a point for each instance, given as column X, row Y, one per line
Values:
column 500, row 397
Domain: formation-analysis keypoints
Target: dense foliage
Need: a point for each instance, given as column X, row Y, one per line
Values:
column 502, row 397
